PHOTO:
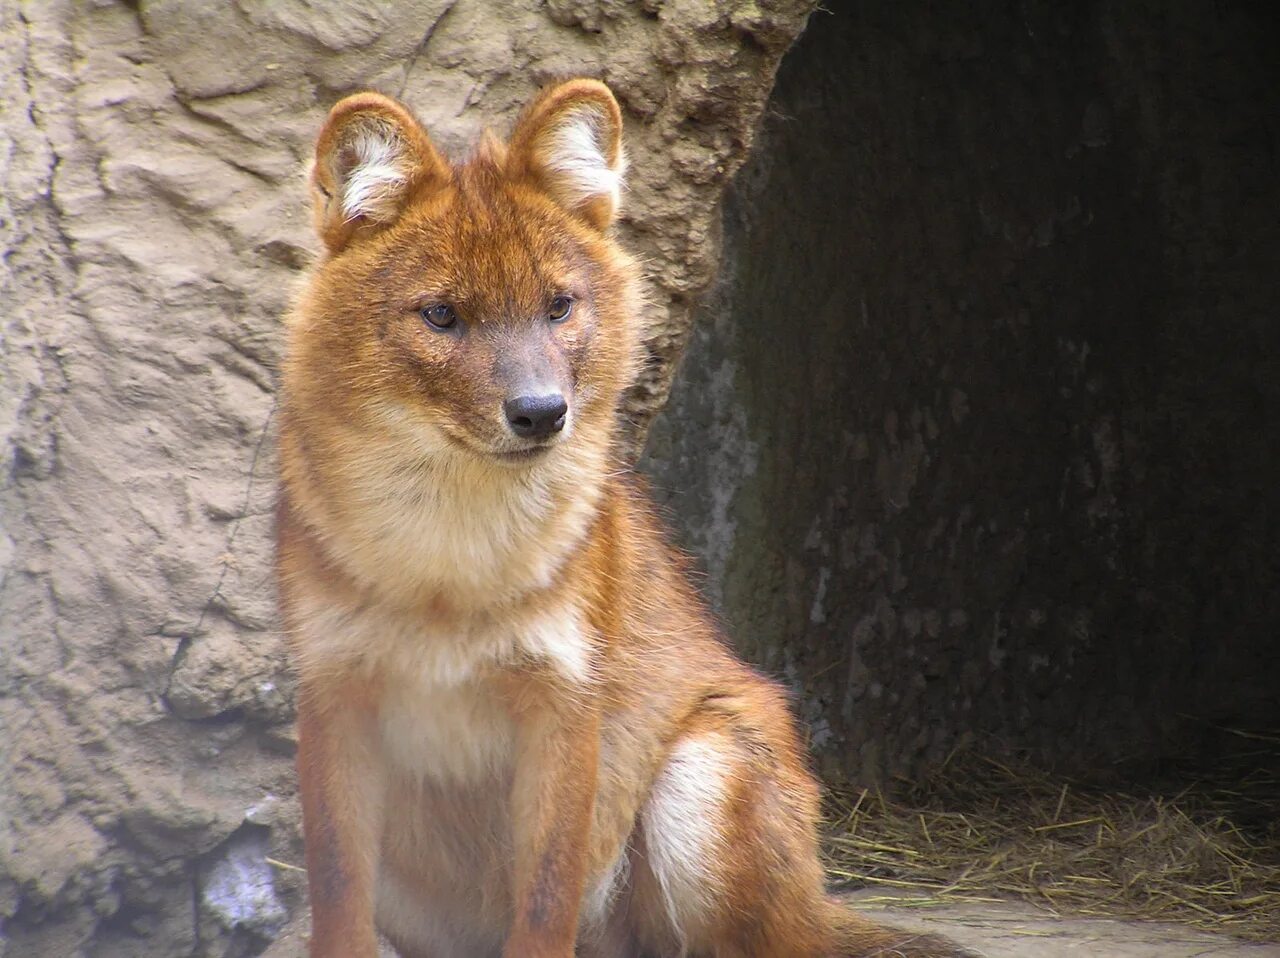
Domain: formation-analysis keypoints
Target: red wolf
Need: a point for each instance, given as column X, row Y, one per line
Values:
column 520, row 733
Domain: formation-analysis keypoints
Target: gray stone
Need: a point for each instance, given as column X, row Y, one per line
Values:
column 238, row 892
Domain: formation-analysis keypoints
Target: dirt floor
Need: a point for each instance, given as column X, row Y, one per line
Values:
column 1012, row 928
column 1001, row 930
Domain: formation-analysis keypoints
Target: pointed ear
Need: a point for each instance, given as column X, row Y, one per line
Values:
column 372, row 156
column 569, row 142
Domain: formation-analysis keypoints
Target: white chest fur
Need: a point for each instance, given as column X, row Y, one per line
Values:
column 445, row 734
column 440, row 716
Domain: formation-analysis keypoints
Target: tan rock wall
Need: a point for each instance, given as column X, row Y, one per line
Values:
column 153, row 228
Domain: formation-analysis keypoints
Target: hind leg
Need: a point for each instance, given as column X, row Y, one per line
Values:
column 727, row 859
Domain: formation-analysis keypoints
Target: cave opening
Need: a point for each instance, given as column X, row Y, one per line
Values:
column 976, row 436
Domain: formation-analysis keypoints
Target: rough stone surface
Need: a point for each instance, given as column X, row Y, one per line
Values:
column 153, row 226
column 978, row 437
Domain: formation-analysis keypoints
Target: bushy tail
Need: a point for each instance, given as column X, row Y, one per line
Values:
column 858, row 937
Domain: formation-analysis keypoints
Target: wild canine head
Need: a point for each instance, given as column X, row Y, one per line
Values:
column 456, row 359
column 484, row 303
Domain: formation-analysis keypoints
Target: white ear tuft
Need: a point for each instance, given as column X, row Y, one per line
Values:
column 568, row 143
column 376, row 170
column 574, row 153
column 372, row 159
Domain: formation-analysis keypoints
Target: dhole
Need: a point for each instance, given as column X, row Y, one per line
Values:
column 519, row 731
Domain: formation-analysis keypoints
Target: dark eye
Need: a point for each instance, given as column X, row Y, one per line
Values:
column 439, row 316
column 561, row 307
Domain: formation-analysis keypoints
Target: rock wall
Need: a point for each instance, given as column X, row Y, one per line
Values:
column 153, row 226
column 977, row 438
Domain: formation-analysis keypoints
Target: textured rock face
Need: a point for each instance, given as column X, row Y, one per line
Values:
column 153, row 226
column 974, row 440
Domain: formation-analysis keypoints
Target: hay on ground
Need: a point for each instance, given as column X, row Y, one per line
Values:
column 1206, row 853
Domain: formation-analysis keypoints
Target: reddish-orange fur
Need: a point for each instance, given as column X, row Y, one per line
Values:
column 520, row 732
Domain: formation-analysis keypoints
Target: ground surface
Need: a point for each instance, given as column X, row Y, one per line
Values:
column 1004, row 930
column 1013, row 928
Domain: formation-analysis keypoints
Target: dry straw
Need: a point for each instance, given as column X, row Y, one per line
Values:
column 1206, row 853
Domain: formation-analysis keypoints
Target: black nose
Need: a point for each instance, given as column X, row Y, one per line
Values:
column 536, row 417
